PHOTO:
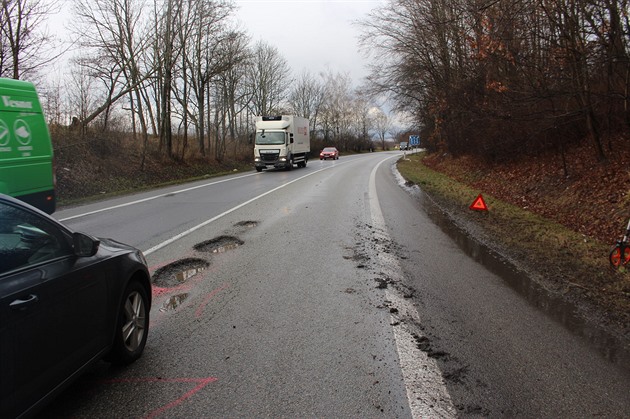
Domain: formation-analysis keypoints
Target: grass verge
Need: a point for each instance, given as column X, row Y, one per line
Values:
column 560, row 259
column 125, row 183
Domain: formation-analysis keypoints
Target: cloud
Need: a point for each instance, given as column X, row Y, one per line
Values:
column 311, row 35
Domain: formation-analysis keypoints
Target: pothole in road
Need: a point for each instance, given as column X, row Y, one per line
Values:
column 247, row 224
column 173, row 302
column 178, row 272
column 219, row 245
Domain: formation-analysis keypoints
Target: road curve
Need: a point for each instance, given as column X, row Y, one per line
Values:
column 328, row 292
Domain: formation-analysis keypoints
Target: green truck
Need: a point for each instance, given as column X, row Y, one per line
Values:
column 26, row 154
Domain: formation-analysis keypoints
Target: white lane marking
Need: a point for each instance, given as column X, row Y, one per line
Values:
column 427, row 393
column 139, row 201
column 205, row 223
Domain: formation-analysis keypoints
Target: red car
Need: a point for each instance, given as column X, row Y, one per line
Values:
column 329, row 153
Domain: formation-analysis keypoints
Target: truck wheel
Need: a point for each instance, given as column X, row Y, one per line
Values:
column 259, row 169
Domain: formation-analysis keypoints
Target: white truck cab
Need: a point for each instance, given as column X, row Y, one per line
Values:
column 281, row 141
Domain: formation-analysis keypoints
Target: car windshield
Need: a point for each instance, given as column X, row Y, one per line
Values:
column 330, row 149
column 270, row 137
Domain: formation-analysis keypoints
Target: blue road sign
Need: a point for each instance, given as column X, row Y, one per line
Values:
column 414, row 140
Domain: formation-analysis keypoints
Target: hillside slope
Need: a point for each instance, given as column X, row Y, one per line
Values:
column 592, row 198
column 591, row 201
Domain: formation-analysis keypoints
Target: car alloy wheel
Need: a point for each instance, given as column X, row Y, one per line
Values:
column 133, row 326
column 135, row 321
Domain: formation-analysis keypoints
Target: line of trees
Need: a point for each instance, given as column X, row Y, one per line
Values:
column 180, row 72
column 499, row 78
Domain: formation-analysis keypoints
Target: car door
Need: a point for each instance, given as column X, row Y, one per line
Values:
column 52, row 308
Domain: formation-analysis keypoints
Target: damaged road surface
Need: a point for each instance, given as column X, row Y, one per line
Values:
column 329, row 292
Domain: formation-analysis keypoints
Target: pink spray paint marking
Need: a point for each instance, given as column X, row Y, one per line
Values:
column 201, row 383
column 159, row 291
column 209, row 297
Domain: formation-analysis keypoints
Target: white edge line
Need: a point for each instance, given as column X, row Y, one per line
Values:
column 427, row 394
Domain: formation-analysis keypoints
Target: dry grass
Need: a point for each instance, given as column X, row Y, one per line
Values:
column 565, row 260
column 103, row 167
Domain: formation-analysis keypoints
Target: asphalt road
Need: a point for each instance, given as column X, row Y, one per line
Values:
column 328, row 292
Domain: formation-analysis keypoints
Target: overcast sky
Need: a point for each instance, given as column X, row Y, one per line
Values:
column 313, row 35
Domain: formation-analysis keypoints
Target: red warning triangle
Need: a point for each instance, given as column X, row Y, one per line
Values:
column 479, row 204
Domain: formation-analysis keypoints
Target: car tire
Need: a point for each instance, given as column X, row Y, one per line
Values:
column 259, row 169
column 132, row 327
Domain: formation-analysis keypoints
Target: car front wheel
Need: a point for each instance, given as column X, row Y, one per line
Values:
column 133, row 326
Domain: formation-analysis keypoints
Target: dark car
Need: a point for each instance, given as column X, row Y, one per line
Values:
column 329, row 153
column 67, row 300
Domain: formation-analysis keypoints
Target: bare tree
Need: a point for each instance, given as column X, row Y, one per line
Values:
column 362, row 122
column 25, row 44
column 306, row 98
column 113, row 31
column 337, row 110
column 507, row 77
column 568, row 20
column 52, row 99
column 166, row 50
column 204, row 57
column 269, row 79
column 231, row 96
column 81, row 97
column 382, row 125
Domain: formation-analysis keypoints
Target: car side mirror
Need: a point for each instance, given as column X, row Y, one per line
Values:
column 84, row 245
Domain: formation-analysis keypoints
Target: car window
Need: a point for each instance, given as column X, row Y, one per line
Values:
column 28, row 239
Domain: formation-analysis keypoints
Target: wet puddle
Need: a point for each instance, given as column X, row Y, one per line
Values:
column 174, row 302
column 562, row 311
column 178, row 272
column 219, row 245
